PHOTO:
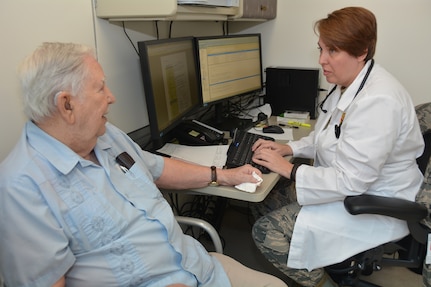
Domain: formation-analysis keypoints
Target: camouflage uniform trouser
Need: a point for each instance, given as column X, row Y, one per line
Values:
column 273, row 231
column 426, row 275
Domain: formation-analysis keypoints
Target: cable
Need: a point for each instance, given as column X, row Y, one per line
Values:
column 131, row 42
column 170, row 29
column 238, row 107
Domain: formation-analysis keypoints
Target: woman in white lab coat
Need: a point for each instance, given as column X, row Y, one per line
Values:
column 366, row 140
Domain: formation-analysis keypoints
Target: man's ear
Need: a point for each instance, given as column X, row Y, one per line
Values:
column 65, row 103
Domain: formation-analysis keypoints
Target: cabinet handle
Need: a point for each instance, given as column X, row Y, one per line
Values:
column 263, row 8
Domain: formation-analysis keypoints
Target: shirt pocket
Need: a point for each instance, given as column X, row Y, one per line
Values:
column 143, row 183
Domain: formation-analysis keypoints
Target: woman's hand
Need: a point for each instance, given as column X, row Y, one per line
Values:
column 281, row 149
column 272, row 159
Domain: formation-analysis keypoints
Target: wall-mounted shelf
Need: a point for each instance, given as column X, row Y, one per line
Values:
column 169, row 10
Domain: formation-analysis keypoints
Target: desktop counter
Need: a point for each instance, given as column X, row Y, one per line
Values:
column 269, row 180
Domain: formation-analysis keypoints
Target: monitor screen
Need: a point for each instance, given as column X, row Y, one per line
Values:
column 171, row 83
column 229, row 66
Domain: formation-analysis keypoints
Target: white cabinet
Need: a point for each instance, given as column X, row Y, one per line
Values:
column 169, row 10
column 135, row 10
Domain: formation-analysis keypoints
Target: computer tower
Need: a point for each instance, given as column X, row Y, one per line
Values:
column 292, row 89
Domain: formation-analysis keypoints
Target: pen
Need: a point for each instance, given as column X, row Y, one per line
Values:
column 124, row 169
column 290, row 126
column 298, row 124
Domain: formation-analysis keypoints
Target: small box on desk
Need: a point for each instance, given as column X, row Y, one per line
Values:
column 292, row 89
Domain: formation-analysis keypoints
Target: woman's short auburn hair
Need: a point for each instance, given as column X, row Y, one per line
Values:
column 350, row 29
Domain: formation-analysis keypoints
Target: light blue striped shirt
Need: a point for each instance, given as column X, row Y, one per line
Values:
column 62, row 214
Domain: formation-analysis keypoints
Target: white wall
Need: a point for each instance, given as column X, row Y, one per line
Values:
column 404, row 36
column 24, row 24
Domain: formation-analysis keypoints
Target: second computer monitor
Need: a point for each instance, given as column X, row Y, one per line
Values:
column 230, row 65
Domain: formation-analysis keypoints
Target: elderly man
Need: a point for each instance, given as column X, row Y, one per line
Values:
column 74, row 213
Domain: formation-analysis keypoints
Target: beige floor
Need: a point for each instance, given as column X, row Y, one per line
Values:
column 236, row 233
column 396, row 277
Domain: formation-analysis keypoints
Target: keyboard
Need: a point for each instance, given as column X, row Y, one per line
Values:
column 239, row 152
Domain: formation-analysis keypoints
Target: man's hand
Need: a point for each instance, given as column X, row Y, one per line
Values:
column 234, row 176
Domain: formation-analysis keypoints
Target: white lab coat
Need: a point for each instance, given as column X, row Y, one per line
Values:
column 375, row 154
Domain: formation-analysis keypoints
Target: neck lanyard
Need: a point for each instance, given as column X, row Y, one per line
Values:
column 338, row 127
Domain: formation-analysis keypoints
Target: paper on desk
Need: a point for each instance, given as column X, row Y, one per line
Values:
column 204, row 155
column 287, row 135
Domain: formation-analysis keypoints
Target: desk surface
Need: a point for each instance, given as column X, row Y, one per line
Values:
column 269, row 180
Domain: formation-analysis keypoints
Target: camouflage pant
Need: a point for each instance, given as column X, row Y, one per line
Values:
column 426, row 275
column 272, row 233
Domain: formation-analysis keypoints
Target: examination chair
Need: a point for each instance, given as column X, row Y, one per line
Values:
column 186, row 222
column 408, row 252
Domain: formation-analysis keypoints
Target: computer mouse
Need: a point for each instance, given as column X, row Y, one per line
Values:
column 273, row 129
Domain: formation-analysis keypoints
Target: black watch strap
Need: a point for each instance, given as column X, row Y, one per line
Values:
column 213, row 176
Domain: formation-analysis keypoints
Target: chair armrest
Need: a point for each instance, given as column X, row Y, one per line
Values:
column 205, row 226
column 389, row 206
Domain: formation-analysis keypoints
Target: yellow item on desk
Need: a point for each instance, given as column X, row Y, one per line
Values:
column 298, row 124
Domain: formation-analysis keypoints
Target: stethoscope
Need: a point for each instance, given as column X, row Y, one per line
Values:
column 338, row 127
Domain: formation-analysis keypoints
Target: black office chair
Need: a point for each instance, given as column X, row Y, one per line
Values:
column 408, row 252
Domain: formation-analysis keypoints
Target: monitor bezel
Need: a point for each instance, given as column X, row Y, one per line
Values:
column 160, row 136
column 258, row 90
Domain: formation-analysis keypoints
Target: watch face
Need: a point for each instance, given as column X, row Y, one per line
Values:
column 213, row 183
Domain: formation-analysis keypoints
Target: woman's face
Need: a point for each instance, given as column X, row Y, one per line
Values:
column 339, row 67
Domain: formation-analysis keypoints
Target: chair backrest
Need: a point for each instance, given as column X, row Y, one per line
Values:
column 423, row 113
column 425, row 157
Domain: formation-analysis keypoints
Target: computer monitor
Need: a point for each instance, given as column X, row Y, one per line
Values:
column 171, row 83
column 230, row 66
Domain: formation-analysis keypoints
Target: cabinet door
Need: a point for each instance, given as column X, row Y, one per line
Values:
column 258, row 9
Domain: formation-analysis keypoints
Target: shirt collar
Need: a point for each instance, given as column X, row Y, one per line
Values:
column 350, row 92
column 58, row 154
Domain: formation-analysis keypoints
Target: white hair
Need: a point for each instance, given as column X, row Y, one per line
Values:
column 50, row 69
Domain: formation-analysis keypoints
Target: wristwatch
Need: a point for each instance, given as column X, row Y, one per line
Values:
column 213, row 176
